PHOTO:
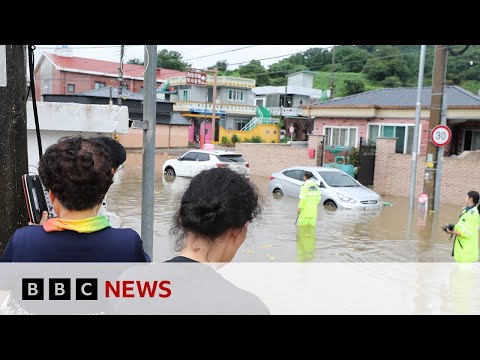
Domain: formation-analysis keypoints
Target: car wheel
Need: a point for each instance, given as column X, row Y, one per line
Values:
column 169, row 172
column 277, row 193
column 330, row 203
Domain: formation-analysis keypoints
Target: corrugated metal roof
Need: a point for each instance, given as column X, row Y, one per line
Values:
column 178, row 119
column 404, row 97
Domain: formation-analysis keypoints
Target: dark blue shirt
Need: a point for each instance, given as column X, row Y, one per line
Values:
column 34, row 244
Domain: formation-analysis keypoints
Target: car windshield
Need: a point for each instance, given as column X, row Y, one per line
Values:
column 338, row 179
column 231, row 158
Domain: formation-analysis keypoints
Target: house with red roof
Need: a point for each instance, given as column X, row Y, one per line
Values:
column 65, row 75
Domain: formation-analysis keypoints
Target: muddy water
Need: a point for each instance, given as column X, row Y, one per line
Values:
column 340, row 236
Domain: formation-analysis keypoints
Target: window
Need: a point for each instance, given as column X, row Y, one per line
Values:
column 403, row 133
column 231, row 158
column 472, row 140
column 184, row 95
column 71, row 88
column 45, row 87
column 99, row 85
column 203, row 157
column 191, row 156
column 238, row 124
column 294, row 174
column 341, row 136
column 338, row 179
column 236, row 95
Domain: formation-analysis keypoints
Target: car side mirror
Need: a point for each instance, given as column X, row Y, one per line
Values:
column 179, row 159
column 321, row 184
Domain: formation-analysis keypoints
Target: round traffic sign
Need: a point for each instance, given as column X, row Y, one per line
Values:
column 292, row 129
column 441, row 135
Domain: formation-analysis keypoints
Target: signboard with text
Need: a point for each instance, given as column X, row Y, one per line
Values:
column 441, row 135
column 196, row 78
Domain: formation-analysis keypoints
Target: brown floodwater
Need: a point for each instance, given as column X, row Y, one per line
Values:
column 340, row 235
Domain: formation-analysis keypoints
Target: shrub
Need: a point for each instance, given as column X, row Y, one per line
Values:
column 235, row 139
column 256, row 139
column 225, row 140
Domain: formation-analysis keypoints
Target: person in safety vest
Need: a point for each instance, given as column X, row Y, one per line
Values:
column 465, row 245
column 309, row 199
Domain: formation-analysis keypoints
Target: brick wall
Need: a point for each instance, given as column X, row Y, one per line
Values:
column 178, row 137
column 392, row 174
column 83, row 82
column 266, row 159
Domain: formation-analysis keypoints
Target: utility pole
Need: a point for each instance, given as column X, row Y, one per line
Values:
column 332, row 75
column 214, row 101
column 120, row 76
column 418, row 110
column 13, row 140
column 148, row 165
column 438, row 82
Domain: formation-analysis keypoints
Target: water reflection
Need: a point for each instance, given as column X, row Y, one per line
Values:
column 340, row 235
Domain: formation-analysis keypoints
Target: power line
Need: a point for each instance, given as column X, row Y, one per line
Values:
column 223, row 52
column 279, row 56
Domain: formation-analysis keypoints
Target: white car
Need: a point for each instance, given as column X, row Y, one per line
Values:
column 193, row 162
column 339, row 190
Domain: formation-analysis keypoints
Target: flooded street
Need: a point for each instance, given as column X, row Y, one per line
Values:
column 340, row 236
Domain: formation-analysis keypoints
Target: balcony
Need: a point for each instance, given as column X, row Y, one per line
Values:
column 189, row 106
column 229, row 81
column 283, row 111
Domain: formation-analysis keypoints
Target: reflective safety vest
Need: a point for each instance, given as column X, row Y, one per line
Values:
column 465, row 247
column 310, row 196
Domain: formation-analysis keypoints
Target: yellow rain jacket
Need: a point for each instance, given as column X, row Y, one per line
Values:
column 465, row 247
column 310, row 196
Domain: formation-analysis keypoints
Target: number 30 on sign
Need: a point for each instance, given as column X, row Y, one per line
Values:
column 441, row 135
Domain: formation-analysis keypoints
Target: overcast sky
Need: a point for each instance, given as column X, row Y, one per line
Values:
column 191, row 53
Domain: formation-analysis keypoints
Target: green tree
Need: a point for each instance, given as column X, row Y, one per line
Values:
column 135, row 61
column 171, row 60
column 221, row 65
column 388, row 61
column 392, row 81
column 351, row 58
column 354, row 87
column 255, row 70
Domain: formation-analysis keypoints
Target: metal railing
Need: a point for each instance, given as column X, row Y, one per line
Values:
column 201, row 107
column 282, row 111
column 221, row 81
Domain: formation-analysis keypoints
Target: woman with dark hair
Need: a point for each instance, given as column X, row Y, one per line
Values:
column 210, row 226
column 465, row 246
column 77, row 172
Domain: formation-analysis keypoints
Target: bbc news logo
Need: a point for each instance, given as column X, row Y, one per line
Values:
column 59, row 289
column 87, row 289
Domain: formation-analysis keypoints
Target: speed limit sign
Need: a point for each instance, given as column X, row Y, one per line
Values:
column 441, row 135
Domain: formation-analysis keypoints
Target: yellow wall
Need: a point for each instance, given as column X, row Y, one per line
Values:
column 268, row 132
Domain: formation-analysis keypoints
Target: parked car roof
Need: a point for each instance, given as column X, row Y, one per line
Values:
column 217, row 152
column 311, row 168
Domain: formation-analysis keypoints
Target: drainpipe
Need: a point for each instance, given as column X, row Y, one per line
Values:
column 169, row 129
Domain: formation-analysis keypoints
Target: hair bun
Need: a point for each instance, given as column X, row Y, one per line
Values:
column 208, row 210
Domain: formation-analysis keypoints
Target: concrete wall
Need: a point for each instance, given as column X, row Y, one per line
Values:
column 178, row 137
column 197, row 93
column 268, row 133
column 62, row 119
column 248, row 97
column 393, row 171
column 302, row 79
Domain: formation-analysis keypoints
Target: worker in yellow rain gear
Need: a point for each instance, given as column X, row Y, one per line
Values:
column 310, row 196
column 465, row 246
